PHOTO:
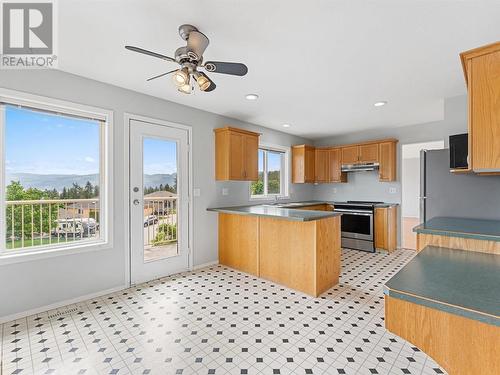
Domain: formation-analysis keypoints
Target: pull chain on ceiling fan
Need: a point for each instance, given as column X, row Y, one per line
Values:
column 190, row 58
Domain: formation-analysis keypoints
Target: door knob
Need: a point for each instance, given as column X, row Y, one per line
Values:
column 136, row 201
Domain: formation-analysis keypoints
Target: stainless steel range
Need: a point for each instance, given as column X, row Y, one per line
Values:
column 357, row 224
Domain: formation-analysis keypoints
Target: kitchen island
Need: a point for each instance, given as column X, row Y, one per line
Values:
column 460, row 233
column 297, row 248
column 447, row 302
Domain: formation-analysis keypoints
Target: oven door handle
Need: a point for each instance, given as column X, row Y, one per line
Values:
column 354, row 212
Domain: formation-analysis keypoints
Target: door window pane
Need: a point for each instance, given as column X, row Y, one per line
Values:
column 160, row 198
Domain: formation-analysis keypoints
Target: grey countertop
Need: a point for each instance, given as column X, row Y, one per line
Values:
column 460, row 282
column 276, row 212
column 287, row 210
column 488, row 230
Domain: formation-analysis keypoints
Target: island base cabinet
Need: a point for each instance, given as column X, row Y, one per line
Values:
column 239, row 242
column 460, row 345
column 304, row 256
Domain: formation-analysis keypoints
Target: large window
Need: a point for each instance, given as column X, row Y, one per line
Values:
column 273, row 174
column 53, row 179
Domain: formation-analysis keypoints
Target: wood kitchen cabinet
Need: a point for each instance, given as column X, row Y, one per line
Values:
column 335, row 166
column 368, row 153
column 321, row 165
column 303, row 164
column 482, row 75
column 350, row 155
column 324, row 164
column 387, row 161
column 385, row 225
column 236, row 154
column 363, row 153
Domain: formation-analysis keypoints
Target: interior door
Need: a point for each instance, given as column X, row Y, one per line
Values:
column 159, row 201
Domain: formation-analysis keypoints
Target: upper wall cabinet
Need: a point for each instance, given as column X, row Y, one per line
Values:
column 321, row 165
column 303, row 164
column 364, row 153
column 324, row 164
column 482, row 74
column 335, row 166
column 236, row 154
column 387, row 161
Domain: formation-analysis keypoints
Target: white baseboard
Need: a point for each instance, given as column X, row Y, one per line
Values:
column 38, row 310
column 197, row 267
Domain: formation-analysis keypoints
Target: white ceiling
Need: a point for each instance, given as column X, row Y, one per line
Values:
column 316, row 64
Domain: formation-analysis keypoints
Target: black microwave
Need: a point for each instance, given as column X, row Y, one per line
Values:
column 459, row 150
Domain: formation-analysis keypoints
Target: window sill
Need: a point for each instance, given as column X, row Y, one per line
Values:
column 11, row 257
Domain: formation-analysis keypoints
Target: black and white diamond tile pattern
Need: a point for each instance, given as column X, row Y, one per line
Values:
column 221, row 321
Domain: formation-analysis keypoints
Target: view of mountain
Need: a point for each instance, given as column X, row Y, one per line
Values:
column 59, row 181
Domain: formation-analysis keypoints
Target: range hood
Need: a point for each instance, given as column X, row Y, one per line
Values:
column 359, row 167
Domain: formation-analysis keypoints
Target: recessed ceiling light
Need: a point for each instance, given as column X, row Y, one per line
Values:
column 252, row 96
column 380, row 104
column 286, row 125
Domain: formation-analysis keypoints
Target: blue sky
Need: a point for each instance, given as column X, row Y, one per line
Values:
column 159, row 156
column 273, row 161
column 43, row 143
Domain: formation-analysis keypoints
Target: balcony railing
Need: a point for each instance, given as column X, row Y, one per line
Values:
column 160, row 221
column 57, row 221
column 51, row 221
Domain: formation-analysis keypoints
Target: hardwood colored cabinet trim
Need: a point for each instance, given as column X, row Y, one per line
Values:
column 387, row 161
column 321, row 165
column 385, row 223
column 308, row 162
column 335, row 173
column 303, row 164
column 369, row 153
column 236, row 154
column 350, row 155
column 481, row 68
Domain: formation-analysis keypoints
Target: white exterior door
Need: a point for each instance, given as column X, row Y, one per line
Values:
column 159, row 200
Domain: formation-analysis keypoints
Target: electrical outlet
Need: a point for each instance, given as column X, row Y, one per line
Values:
column 393, row 190
column 196, row 192
column 334, row 190
column 225, row 191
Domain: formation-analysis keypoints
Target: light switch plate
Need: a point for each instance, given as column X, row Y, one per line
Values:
column 225, row 191
column 196, row 192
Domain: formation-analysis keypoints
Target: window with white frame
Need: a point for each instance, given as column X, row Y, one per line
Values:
column 273, row 173
column 54, row 178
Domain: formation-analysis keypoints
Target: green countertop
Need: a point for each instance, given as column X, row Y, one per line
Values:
column 487, row 230
column 276, row 212
column 460, row 282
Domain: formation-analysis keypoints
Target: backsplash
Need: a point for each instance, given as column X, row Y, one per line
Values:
column 364, row 186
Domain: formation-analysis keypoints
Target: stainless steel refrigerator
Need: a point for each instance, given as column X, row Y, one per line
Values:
column 443, row 193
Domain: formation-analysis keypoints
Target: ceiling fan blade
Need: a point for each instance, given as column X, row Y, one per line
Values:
column 150, row 53
column 197, row 43
column 160, row 75
column 235, row 69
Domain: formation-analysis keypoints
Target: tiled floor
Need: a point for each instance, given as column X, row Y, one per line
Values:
column 220, row 321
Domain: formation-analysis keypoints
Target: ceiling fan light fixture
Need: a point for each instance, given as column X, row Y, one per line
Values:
column 203, row 82
column 185, row 89
column 181, row 77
